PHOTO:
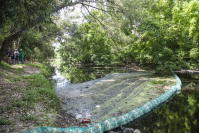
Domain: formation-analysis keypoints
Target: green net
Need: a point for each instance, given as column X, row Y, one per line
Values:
column 122, row 120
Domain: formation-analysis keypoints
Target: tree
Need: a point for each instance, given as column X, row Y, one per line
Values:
column 28, row 13
column 169, row 35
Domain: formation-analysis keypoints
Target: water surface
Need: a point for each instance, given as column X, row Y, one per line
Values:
column 179, row 115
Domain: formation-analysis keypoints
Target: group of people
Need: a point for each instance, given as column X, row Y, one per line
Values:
column 13, row 57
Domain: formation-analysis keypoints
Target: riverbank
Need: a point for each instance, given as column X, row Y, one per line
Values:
column 27, row 97
column 134, row 66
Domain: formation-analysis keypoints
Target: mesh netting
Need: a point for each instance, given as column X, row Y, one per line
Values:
column 122, row 120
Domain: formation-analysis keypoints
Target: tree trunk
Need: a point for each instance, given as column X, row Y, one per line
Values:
column 11, row 46
column 18, row 40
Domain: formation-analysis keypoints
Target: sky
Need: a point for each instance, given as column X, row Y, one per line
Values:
column 66, row 15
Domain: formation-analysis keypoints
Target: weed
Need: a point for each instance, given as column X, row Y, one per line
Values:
column 29, row 117
column 4, row 65
column 41, row 124
column 38, row 65
column 4, row 121
column 19, row 103
column 6, row 108
column 2, row 73
column 10, row 78
column 19, row 70
column 25, row 104
column 158, row 82
column 30, row 95
column 13, row 129
column 3, row 109
column 18, row 90
column 46, row 71
column 15, row 88
column 9, row 107
column 17, row 79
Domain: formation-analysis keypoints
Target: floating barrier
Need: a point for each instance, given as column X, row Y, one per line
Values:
column 116, row 122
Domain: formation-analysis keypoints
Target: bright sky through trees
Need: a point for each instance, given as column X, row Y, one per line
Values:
column 73, row 14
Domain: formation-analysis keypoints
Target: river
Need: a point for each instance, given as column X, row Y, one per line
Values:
column 180, row 114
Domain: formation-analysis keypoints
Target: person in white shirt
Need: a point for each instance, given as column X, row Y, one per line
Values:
column 16, row 54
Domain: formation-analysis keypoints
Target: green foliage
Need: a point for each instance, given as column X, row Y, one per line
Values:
column 46, row 71
column 35, row 64
column 41, row 89
column 166, row 36
column 30, row 95
column 91, row 44
column 19, row 70
column 18, row 79
column 37, row 45
column 4, row 121
column 158, row 81
column 164, row 33
column 6, row 108
column 19, row 103
column 18, row 11
column 29, row 117
column 4, row 65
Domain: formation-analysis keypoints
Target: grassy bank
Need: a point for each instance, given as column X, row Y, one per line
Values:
column 27, row 98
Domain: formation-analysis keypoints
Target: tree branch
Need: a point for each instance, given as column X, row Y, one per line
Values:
column 83, row 14
column 94, row 17
column 97, row 8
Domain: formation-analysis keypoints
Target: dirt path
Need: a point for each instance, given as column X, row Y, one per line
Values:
column 11, row 93
column 30, row 70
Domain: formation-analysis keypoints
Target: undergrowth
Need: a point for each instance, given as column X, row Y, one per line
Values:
column 4, row 65
column 38, row 90
column 4, row 121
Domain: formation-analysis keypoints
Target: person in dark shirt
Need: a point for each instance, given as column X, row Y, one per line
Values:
column 13, row 57
column 9, row 56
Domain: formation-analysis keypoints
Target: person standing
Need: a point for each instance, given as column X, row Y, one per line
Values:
column 9, row 56
column 21, row 56
column 16, row 56
column 13, row 57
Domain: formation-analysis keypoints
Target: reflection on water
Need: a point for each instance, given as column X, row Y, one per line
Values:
column 179, row 115
column 80, row 74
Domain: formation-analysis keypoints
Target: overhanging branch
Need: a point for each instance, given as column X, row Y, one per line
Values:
column 94, row 17
column 97, row 8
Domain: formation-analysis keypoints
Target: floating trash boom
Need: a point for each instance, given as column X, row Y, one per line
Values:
column 116, row 122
